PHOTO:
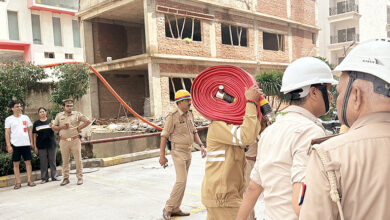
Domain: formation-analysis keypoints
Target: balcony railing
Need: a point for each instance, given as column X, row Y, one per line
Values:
column 344, row 8
column 342, row 39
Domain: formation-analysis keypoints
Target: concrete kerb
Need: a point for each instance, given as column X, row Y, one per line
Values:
column 6, row 181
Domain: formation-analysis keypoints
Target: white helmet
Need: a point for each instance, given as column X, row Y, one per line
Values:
column 372, row 57
column 304, row 72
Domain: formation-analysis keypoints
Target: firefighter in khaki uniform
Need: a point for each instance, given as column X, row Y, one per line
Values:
column 224, row 181
column 179, row 128
column 250, row 156
column 68, row 124
column 279, row 170
column 352, row 171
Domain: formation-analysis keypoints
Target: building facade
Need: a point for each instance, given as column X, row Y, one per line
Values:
column 345, row 23
column 41, row 32
column 148, row 49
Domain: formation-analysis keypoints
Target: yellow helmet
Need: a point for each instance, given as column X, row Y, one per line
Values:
column 181, row 95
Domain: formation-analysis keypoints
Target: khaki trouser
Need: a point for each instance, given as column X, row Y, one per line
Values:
column 226, row 213
column 182, row 160
column 74, row 147
column 249, row 166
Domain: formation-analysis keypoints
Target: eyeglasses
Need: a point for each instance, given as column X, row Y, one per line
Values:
column 68, row 105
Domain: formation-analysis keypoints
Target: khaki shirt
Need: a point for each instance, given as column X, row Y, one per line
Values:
column 224, row 181
column 282, row 158
column 360, row 159
column 179, row 128
column 73, row 119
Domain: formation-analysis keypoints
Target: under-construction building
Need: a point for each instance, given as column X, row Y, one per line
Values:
column 148, row 49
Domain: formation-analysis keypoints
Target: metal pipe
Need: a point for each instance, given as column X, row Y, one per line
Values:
column 105, row 140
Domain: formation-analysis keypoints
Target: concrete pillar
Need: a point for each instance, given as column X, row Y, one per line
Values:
column 213, row 46
column 289, row 8
column 256, row 33
column 93, row 96
column 150, row 26
column 152, row 48
column 155, row 89
column 290, row 44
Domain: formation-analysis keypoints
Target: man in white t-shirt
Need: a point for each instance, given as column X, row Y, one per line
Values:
column 18, row 137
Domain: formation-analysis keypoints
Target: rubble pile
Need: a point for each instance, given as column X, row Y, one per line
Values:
column 135, row 125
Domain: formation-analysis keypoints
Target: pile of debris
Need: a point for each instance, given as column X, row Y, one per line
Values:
column 135, row 125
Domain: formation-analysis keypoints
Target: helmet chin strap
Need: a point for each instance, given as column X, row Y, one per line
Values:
column 324, row 92
column 352, row 78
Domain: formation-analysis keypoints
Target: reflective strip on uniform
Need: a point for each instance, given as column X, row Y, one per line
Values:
column 215, row 159
column 218, row 152
column 239, row 136
column 234, row 137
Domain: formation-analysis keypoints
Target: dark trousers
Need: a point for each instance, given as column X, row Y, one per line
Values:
column 48, row 156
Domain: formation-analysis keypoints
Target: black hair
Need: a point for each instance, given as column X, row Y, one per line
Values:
column 39, row 109
column 12, row 103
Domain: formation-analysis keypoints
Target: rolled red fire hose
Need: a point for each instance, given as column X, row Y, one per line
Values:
column 234, row 80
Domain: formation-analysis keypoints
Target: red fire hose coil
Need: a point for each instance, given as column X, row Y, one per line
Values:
column 205, row 87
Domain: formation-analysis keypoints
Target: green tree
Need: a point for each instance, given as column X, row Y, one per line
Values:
column 73, row 82
column 270, row 82
column 16, row 81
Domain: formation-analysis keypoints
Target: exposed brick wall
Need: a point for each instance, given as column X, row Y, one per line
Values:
column 174, row 46
column 135, row 41
column 235, row 52
column 302, row 44
column 130, row 86
column 109, row 41
column 164, row 81
column 269, row 55
column 303, row 11
column 274, row 56
column 273, row 7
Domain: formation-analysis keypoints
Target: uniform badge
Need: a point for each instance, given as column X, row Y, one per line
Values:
column 302, row 194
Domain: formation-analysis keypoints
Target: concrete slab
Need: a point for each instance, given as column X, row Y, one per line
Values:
column 135, row 190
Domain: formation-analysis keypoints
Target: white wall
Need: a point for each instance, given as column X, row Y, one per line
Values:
column 323, row 23
column 374, row 19
column 25, row 32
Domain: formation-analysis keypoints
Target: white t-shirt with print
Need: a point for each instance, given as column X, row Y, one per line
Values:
column 19, row 131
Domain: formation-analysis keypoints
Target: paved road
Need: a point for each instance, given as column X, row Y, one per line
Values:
column 136, row 190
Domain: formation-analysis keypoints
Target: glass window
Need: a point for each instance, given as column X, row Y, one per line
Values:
column 76, row 34
column 57, row 31
column 13, row 26
column 36, row 29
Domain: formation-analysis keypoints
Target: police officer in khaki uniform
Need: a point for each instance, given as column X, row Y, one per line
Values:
column 352, row 171
column 180, row 130
column 281, row 160
column 224, row 180
column 67, row 123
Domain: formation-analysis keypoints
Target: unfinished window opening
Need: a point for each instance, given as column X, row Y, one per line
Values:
column 182, row 27
column 313, row 38
column 273, row 41
column 233, row 35
column 69, row 56
column 176, row 84
column 49, row 55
